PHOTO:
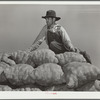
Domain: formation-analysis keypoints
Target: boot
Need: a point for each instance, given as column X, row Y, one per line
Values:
column 86, row 56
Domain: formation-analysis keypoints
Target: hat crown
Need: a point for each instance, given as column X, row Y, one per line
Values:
column 51, row 13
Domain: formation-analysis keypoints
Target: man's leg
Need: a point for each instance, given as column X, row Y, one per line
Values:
column 85, row 55
column 57, row 47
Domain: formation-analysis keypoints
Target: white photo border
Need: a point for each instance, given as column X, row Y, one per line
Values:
column 49, row 94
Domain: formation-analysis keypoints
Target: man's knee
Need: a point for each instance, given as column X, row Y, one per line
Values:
column 56, row 47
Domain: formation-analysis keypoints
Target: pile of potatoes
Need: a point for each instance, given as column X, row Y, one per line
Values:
column 43, row 70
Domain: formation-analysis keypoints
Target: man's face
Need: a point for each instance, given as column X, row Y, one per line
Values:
column 50, row 21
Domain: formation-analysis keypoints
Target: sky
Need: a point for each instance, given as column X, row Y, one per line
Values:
column 20, row 25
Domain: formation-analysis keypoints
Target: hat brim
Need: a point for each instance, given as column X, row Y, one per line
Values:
column 57, row 18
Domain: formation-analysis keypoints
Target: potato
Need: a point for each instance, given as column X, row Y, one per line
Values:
column 49, row 74
column 78, row 73
column 67, row 57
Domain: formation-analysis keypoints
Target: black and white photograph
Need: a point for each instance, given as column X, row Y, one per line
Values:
column 50, row 47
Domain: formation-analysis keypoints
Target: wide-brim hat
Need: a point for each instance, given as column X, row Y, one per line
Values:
column 51, row 13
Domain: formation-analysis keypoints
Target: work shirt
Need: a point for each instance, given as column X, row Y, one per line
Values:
column 59, row 35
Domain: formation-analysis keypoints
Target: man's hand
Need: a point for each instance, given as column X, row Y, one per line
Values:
column 77, row 50
column 71, row 47
column 35, row 45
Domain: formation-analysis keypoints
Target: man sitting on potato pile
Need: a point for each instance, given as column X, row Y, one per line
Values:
column 56, row 36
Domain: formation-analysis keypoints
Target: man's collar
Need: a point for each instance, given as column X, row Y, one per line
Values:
column 52, row 26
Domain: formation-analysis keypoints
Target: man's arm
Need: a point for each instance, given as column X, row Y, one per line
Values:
column 41, row 34
column 37, row 44
column 66, row 40
column 38, row 41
